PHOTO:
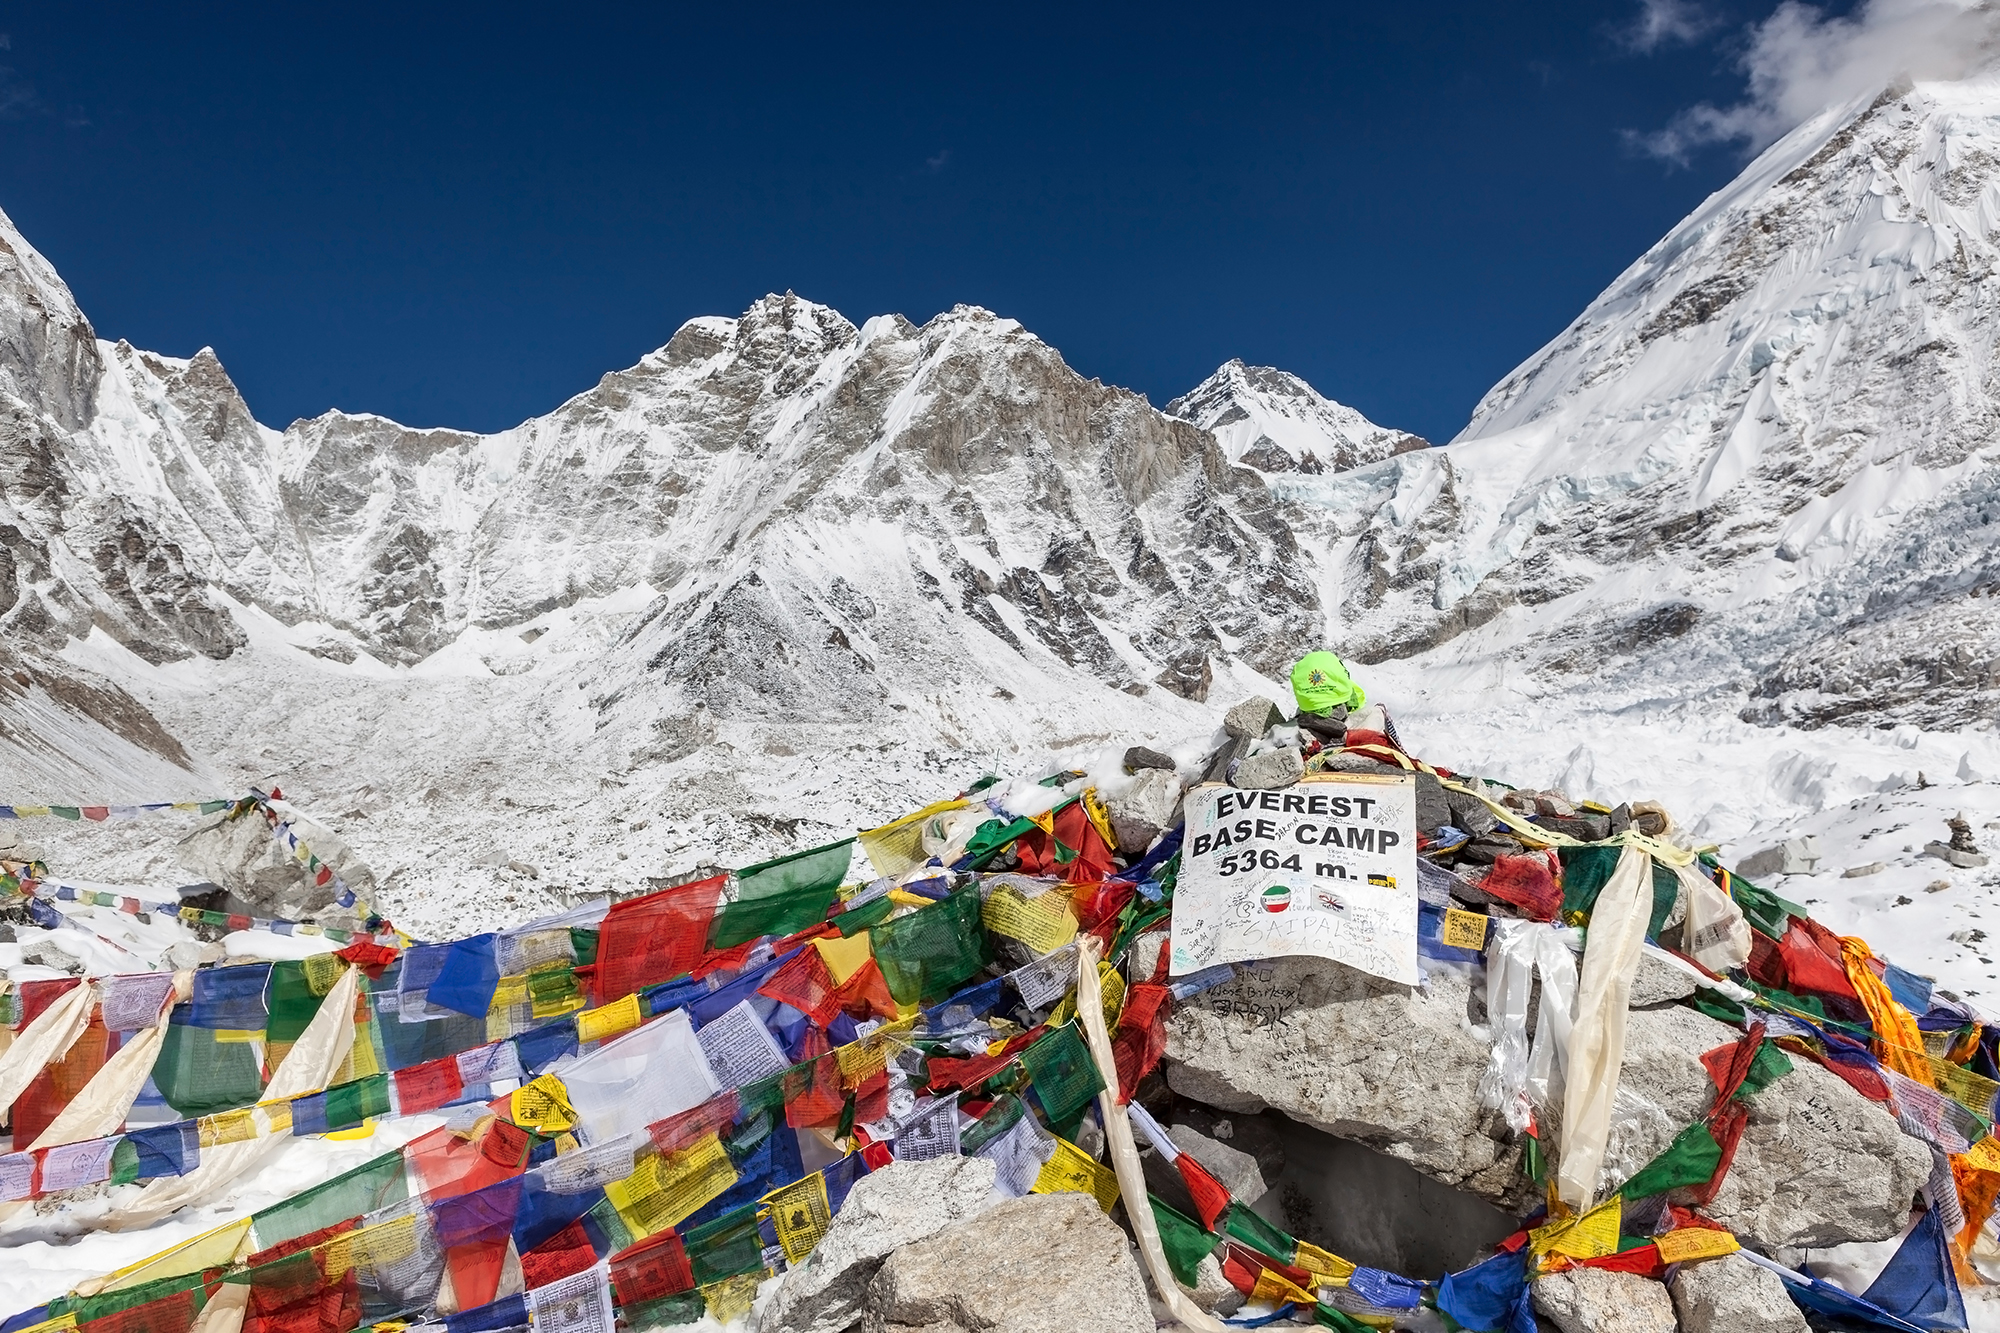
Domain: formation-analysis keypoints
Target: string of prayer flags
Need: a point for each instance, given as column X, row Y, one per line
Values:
column 801, row 1214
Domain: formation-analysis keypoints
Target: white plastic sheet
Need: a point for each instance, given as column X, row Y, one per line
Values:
column 1715, row 934
column 1520, row 1078
column 1611, row 955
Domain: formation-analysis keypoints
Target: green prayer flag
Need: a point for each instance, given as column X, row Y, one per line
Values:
column 370, row 1187
column 292, row 1002
column 727, row 1246
column 865, row 917
column 784, row 913
column 818, row 868
column 1328, row 1317
column 926, row 955
column 349, row 1104
column 1718, row 1006
column 1003, row 1115
column 667, row 1312
column 1764, row 910
column 1770, row 1065
column 993, row 838
column 1247, row 1226
column 1690, row 1159
column 199, row 1075
column 1062, row 1073
column 584, row 944
column 1585, row 872
column 1186, row 1241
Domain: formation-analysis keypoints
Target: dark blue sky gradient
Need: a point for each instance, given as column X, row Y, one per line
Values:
column 462, row 216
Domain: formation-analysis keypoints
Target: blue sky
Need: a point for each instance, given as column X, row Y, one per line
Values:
column 462, row 216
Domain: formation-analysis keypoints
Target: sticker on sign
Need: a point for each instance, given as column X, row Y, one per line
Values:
column 1326, row 868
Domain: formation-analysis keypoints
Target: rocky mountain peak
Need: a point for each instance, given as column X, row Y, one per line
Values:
column 48, row 352
column 1275, row 422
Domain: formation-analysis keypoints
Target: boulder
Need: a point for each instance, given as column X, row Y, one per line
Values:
column 1236, row 1169
column 1433, row 811
column 1252, row 718
column 1046, row 1263
column 1658, row 981
column 1146, row 810
column 899, row 1205
column 1212, row 1291
column 1397, row 1068
column 1594, row 1300
column 1274, row 768
column 242, row 856
column 1733, row 1295
column 1470, row 813
column 1139, row 757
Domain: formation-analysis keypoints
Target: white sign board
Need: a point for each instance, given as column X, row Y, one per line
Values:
column 1327, row 867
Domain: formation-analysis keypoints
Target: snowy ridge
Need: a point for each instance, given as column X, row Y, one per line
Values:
column 1275, row 422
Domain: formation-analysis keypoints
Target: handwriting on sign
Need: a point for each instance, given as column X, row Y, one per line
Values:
column 1260, row 997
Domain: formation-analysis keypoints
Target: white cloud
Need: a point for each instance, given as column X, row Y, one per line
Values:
column 1668, row 23
column 1800, row 60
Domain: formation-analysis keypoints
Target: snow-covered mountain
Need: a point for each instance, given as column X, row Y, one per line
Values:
column 779, row 547
column 786, row 575
column 1274, row 421
column 1762, row 464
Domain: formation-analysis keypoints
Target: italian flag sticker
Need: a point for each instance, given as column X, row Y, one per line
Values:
column 1277, row 898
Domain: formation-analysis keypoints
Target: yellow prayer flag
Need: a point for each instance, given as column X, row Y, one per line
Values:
column 1973, row 1091
column 227, row 1127
column 898, row 845
column 731, row 1298
column 619, row 1016
column 237, row 1036
column 1983, row 1155
column 1071, row 1170
column 212, row 1249
column 1274, row 1288
column 1329, row 1268
column 543, row 1105
column 1685, row 1243
column 1591, row 1236
column 1464, row 930
column 801, row 1214
column 663, row 1191
column 843, row 958
column 1044, row 922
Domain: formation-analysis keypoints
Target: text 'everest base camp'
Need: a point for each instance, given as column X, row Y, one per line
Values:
column 1233, row 865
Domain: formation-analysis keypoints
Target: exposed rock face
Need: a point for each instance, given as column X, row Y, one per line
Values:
column 1398, row 1069
column 1733, row 1295
column 48, row 352
column 1236, row 1169
column 1046, row 1263
column 901, row 1204
column 1149, row 809
column 1593, row 1300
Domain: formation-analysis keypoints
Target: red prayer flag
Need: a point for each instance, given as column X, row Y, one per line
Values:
column 657, row 1266
column 1729, row 1065
column 645, row 941
column 1211, row 1196
column 1142, row 1036
column 428, row 1086
column 567, row 1252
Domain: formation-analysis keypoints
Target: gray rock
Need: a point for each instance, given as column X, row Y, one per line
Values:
column 1046, row 1263
column 1232, row 749
column 1763, row 864
column 1583, row 826
column 1658, row 982
column 1236, row 1169
column 45, row 953
column 1274, row 768
column 1733, row 1295
column 1252, row 718
column 1433, row 811
column 1862, row 872
column 1470, row 813
column 901, row 1204
column 242, row 856
column 1946, row 852
column 1594, row 1300
column 1212, row 1291
column 1398, row 1069
column 1139, row 757
column 1357, row 763
column 1147, row 810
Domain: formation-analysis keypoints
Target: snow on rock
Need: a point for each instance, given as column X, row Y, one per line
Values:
column 1275, row 422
